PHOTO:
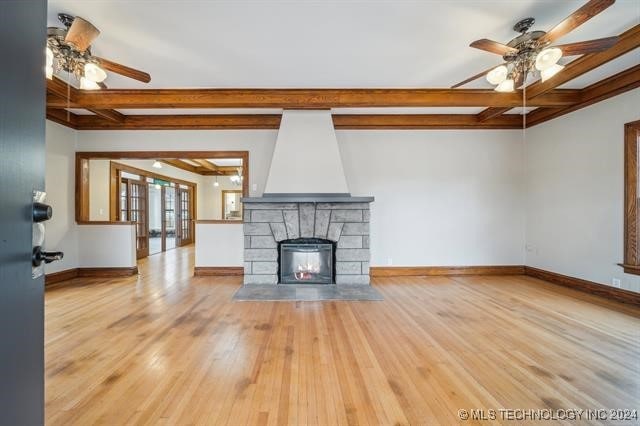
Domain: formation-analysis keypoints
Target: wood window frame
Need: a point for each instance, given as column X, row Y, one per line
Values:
column 82, row 170
column 631, row 262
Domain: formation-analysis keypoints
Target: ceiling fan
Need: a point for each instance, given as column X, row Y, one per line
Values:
column 532, row 51
column 69, row 49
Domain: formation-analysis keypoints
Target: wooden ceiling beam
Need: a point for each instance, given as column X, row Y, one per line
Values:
column 487, row 119
column 490, row 113
column 206, row 164
column 312, row 98
column 346, row 121
column 180, row 164
column 423, row 121
column 61, row 89
column 63, row 117
column 617, row 84
column 168, row 122
column 59, row 102
column 628, row 41
column 219, row 173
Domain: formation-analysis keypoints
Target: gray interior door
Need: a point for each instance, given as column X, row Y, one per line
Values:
column 22, row 162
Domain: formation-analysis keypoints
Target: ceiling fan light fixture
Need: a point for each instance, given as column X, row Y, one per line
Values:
column 48, row 68
column 49, row 57
column 497, row 75
column 547, row 58
column 156, row 165
column 550, row 72
column 94, row 73
column 505, row 86
column 86, row 84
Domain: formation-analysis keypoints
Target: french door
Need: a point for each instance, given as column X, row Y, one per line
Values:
column 169, row 228
column 171, row 217
column 134, row 196
column 185, row 215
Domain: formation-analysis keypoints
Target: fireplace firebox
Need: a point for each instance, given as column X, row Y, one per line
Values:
column 306, row 261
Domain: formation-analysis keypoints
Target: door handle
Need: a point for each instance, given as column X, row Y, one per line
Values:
column 41, row 212
column 40, row 256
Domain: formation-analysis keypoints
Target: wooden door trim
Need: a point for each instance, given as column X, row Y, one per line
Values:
column 631, row 262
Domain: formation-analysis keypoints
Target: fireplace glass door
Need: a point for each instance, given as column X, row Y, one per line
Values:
column 304, row 263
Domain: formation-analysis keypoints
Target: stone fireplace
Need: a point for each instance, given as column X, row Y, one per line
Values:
column 342, row 222
column 307, row 210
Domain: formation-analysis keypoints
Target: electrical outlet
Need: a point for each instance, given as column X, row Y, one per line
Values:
column 616, row 282
column 389, row 261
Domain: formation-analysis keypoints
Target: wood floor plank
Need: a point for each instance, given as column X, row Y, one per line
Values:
column 165, row 347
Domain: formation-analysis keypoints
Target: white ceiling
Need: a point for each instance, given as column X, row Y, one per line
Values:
column 322, row 43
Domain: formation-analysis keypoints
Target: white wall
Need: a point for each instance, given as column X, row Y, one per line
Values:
column 99, row 177
column 219, row 244
column 107, row 246
column 575, row 192
column 61, row 230
column 212, row 199
column 442, row 197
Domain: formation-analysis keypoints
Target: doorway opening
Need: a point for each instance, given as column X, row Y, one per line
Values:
column 163, row 234
column 161, row 194
column 162, row 208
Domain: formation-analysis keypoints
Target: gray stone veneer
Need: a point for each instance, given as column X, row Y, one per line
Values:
column 266, row 224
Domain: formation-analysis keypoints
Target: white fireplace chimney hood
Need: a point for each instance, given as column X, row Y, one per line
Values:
column 306, row 163
column 306, row 158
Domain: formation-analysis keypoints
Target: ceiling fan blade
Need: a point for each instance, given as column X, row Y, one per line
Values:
column 577, row 18
column 102, row 85
column 493, row 47
column 475, row 77
column 81, row 34
column 124, row 70
column 588, row 46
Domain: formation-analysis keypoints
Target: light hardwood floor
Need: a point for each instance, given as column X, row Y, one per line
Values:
column 167, row 348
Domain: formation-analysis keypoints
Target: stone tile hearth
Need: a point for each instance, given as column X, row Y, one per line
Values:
column 268, row 223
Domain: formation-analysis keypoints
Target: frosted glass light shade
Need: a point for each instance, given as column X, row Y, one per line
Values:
column 505, row 86
column 49, row 56
column 48, row 68
column 86, row 84
column 94, row 72
column 157, row 165
column 548, row 58
column 497, row 75
column 550, row 72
